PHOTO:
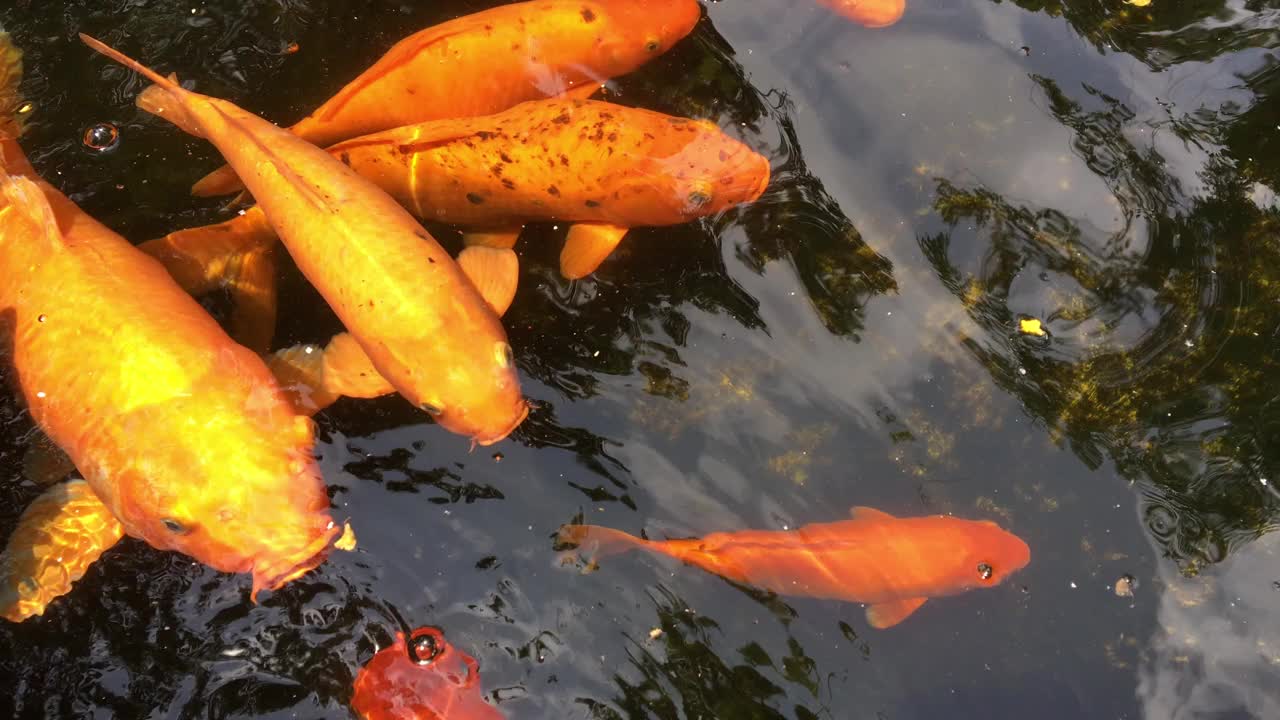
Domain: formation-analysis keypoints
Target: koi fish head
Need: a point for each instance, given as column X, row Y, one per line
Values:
column 696, row 170
column 245, row 496
column 474, row 392
column 990, row 555
column 636, row 32
column 422, row 676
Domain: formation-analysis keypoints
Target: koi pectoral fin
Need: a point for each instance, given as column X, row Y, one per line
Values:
column 887, row 614
column 586, row 246
column 252, row 283
column 222, row 181
column 58, row 536
column 314, row 379
column 199, row 258
column 494, row 272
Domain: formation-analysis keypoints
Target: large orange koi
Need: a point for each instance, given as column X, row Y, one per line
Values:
column 869, row 13
column 604, row 167
column 184, row 437
column 892, row 564
column 417, row 324
column 490, row 60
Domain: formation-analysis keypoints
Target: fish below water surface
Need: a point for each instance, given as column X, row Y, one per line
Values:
column 604, row 168
column 421, row 678
column 892, row 564
column 490, row 60
column 417, row 325
column 184, row 438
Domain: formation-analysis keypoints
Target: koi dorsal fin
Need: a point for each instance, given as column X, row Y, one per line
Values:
column 859, row 512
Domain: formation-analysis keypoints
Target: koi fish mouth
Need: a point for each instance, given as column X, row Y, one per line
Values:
column 491, row 439
column 275, row 575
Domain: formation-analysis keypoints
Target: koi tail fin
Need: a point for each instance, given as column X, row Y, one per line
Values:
column 605, row 541
column 164, row 99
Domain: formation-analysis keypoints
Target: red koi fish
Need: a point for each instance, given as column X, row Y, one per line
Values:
column 490, row 60
column 425, row 678
column 892, row 564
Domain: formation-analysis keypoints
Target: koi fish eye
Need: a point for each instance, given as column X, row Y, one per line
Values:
column 432, row 410
column 175, row 527
column 503, row 354
column 424, row 648
column 985, row 571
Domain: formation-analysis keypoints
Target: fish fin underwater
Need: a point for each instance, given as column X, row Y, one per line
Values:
column 586, row 246
column 59, row 535
column 315, row 378
column 251, row 283
column 44, row 463
column 494, row 272
column 887, row 614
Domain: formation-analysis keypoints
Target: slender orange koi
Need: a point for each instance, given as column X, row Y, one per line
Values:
column 488, row 61
column 417, row 324
column 892, row 564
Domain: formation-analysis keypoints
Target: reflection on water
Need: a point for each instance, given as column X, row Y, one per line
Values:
column 851, row 338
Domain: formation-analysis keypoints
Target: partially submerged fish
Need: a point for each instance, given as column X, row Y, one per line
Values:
column 869, row 13
column 892, row 564
column 417, row 325
column 423, row 678
column 490, row 60
column 604, row 167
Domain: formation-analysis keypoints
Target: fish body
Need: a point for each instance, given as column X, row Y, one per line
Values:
column 488, row 61
column 869, row 13
column 421, row 323
column 182, row 434
column 892, row 564
column 560, row 159
column 421, row 678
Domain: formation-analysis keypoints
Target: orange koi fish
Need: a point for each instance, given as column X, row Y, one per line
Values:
column 892, row 564
column 604, row 167
column 184, row 438
column 869, row 13
column 488, row 61
column 425, row 678
column 417, row 325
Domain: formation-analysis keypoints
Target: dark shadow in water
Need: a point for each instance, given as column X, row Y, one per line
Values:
column 682, row 675
column 1161, row 358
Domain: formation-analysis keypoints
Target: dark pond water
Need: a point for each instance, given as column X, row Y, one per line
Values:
column 850, row 339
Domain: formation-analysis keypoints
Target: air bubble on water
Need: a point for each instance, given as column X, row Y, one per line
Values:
column 102, row 137
column 1022, row 371
column 498, row 457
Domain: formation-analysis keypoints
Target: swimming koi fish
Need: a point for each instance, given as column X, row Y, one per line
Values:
column 892, row 564
column 424, row 678
column 869, row 13
column 488, row 61
column 417, row 325
column 604, row 167
column 184, row 437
